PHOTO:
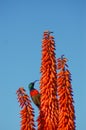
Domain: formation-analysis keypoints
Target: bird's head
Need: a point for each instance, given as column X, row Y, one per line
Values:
column 31, row 85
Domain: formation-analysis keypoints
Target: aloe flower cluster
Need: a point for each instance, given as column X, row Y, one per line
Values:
column 65, row 97
column 27, row 116
column 48, row 85
column 56, row 111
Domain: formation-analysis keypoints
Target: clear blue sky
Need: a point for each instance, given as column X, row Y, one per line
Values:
column 22, row 23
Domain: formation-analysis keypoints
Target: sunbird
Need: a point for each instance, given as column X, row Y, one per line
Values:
column 34, row 93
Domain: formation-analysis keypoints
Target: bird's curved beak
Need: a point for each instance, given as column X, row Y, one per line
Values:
column 35, row 81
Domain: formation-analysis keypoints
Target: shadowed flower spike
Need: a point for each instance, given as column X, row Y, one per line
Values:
column 48, row 118
column 65, row 99
column 27, row 116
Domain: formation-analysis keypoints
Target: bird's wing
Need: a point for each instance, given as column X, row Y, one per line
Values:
column 36, row 99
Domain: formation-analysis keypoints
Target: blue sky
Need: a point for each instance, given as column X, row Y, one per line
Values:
column 22, row 23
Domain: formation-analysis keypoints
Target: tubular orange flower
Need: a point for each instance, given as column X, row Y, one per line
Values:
column 27, row 116
column 48, row 118
column 65, row 99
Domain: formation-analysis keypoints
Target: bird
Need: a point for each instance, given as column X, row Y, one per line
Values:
column 34, row 94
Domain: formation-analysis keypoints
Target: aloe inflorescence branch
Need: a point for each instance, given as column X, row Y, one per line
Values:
column 27, row 113
column 65, row 96
column 48, row 119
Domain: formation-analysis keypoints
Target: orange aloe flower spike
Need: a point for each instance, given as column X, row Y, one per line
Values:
column 27, row 116
column 48, row 117
column 65, row 96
